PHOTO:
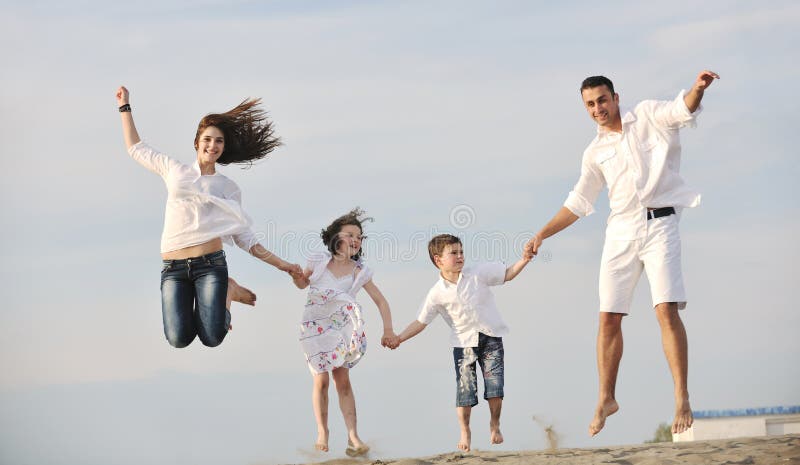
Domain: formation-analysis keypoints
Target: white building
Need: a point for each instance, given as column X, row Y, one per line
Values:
column 723, row 424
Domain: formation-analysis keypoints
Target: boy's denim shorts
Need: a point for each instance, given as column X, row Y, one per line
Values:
column 489, row 354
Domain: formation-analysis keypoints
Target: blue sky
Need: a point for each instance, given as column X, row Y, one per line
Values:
column 416, row 112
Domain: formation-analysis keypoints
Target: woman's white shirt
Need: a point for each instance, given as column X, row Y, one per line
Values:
column 200, row 208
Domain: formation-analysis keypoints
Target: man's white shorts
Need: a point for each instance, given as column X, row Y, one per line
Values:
column 658, row 254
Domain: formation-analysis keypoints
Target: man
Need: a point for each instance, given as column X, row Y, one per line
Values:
column 636, row 153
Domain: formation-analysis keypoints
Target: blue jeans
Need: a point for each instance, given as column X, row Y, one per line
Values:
column 490, row 355
column 193, row 297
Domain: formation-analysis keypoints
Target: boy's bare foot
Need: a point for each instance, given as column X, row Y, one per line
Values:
column 495, row 434
column 241, row 294
column 683, row 417
column 322, row 441
column 466, row 439
column 603, row 411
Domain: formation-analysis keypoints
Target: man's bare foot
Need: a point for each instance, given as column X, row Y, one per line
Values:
column 322, row 441
column 241, row 294
column 466, row 440
column 603, row 411
column 683, row 417
column 495, row 434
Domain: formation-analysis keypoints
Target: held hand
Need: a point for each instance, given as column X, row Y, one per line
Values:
column 532, row 247
column 302, row 280
column 292, row 268
column 390, row 339
column 704, row 79
column 527, row 255
column 122, row 96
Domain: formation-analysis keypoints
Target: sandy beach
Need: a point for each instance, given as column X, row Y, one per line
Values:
column 771, row 450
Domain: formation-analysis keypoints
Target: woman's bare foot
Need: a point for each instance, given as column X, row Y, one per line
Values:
column 240, row 294
column 466, row 439
column 603, row 411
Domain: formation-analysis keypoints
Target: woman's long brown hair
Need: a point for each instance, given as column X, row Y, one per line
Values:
column 249, row 134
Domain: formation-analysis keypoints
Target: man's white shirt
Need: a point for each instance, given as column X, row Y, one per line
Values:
column 640, row 166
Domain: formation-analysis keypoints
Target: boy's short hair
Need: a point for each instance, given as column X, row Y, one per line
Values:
column 438, row 243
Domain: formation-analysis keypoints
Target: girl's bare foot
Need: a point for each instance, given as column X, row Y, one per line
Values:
column 322, row 441
column 356, row 448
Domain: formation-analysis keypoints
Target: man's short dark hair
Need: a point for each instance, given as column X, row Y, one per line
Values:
column 438, row 243
column 597, row 81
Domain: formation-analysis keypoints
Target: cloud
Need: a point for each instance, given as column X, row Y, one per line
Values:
column 721, row 31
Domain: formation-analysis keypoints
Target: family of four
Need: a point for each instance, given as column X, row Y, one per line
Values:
column 636, row 154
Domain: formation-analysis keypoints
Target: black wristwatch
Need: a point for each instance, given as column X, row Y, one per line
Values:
column 124, row 108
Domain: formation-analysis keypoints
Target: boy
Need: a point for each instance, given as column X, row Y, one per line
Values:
column 463, row 298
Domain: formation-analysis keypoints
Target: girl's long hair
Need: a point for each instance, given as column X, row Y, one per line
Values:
column 330, row 235
column 249, row 134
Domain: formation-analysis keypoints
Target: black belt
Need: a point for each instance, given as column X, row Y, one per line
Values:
column 659, row 212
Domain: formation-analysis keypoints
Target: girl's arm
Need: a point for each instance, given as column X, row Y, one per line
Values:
column 129, row 132
column 389, row 337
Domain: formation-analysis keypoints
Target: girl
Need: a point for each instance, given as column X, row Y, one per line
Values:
column 203, row 209
column 332, row 332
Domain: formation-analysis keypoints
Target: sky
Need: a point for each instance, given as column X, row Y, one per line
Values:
column 459, row 117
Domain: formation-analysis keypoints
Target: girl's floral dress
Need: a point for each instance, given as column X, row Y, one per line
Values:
column 332, row 330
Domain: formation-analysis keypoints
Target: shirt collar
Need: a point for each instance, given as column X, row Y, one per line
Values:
column 627, row 117
column 445, row 284
column 196, row 168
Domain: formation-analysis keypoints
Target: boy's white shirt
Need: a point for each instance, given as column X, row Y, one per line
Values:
column 468, row 306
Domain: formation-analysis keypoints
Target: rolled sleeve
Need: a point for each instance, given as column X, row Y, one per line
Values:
column 245, row 240
column 675, row 113
column 493, row 274
column 578, row 205
column 427, row 311
column 243, row 237
column 581, row 198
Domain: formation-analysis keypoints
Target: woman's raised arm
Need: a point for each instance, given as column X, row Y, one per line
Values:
column 129, row 132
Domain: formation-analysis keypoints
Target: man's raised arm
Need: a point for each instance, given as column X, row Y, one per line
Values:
column 695, row 95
